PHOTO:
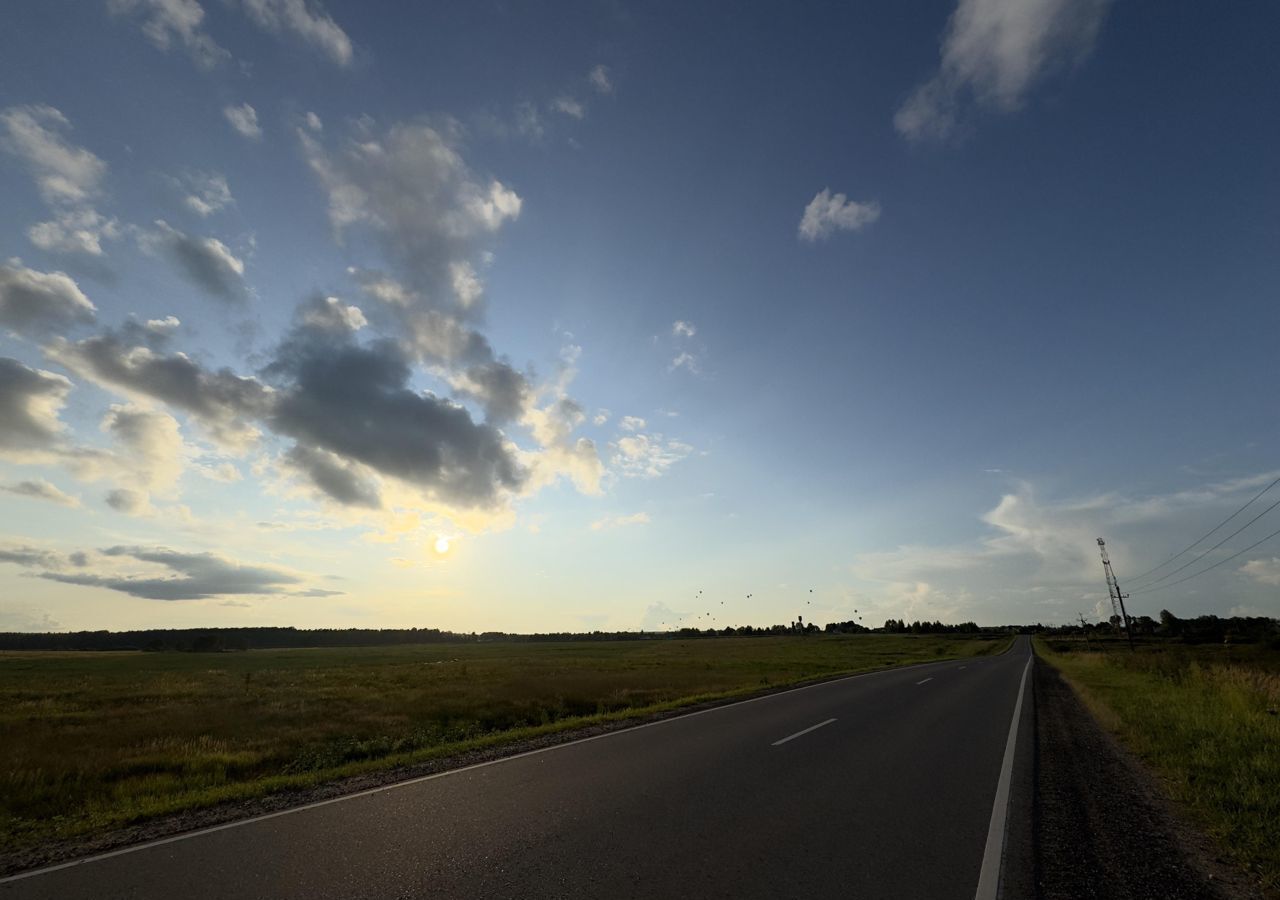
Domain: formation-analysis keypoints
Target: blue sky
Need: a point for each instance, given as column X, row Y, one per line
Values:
column 550, row 316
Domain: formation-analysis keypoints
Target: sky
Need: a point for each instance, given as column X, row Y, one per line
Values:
column 607, row 315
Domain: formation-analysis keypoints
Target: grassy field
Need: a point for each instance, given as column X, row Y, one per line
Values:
column 1206, row 718
column 93, row 741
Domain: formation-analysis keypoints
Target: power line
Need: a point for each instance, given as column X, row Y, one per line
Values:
column 1199, row 540
column 1201, row 555
column 1215, row 565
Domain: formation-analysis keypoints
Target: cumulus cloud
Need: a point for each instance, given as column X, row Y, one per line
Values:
column 152, row 442
column 205, row 193
column 411, row 187
column 334, row 477
column 993, row 53
column 609, row 522
column 683, row 329
column 206, row 261
column 39, row 489
column 244, row 119
column 1263, row 571
column 30, row 400
column 632, row 423
column 306, row 20
column 224, row 403
column 38, row 303
column 354, row 401
column 166, row 22
column 687, row 361
column 68, row 177
column 828, row 213
column 600, row 81
column 181, row 576
column 62, row 171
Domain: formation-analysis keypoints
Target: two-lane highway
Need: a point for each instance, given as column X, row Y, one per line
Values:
column 879, row 785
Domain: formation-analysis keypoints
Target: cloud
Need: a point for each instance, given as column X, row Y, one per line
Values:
column 152, row 441
column 207, row 262
column 411, row 187
column 224, row 403
column 30, row 400
column 687, row 361
column 683, row 329
column 244, row 119
column 354, row 401
column 827, row 213
column 331, row 314
column 600, row 81
column 570, row 107
column 129, row 502
column 609, row 522
column 68, row 177
column 601, row 417
column 205, row 192
column 39, row 489
column 165, row 22
column 1263, row 571
column 39, row 303
column 189, row 576
column 993, row 53
column 632, row 423
column 334, row 476
column 63, row 172
column 305, row 19
column 647, row 455
column 29, row 557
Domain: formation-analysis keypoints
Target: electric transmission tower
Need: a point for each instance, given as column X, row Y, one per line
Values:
column 1113, row 590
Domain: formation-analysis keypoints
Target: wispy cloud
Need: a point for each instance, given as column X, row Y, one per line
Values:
column 610, row 522
column 828, row 213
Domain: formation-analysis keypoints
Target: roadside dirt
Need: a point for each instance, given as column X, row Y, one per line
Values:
column 1102, row 826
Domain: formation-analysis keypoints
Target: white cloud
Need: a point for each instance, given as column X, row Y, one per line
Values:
column 313, row 122
column 994, row 51
column 305, row 19
column 167, row 21
column 244, row 119
column 600, row 81
column 68, row 177
column 647, row 455
column 609, row 522
column 632, row 423
column 569, row 106
column 601, row 417
column 687, row 361
column 206, row 192
column 829, row 212
column 1263, row 571
column 682, row 329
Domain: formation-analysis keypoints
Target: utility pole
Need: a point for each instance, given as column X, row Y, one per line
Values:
column 1113, row 589
column 1084, row 629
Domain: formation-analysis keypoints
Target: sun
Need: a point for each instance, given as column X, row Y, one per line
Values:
column 442, row 545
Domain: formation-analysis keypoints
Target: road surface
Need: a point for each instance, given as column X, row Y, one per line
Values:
column 876, row 786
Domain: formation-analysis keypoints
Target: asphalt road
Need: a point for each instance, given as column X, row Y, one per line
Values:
column 876, row 786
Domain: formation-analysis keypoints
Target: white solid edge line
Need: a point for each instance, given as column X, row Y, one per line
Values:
column 989, row 877
column 173, row 838
column 918, row 683
column 792, row 737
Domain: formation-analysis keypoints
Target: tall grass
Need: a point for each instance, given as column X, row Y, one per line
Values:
column 1207, row 719
column 91, row 741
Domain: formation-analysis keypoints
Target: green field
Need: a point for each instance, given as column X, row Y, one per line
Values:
column 98, row 740
column 1206, row 718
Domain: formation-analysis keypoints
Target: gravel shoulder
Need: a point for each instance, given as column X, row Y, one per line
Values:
column 1102, row 826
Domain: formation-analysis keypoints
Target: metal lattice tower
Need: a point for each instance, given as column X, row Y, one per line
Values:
column 1113, row 591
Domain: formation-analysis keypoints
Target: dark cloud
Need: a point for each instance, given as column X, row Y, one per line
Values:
column 336, row 479
column 354, row 401
column 30, row 557
column 127, row 501
column 206, row 261
column 29, row 404
column 40, row 303
column 223, row 402
column 196, row 576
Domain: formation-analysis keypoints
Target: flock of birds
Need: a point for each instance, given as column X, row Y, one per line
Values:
column 686, row 621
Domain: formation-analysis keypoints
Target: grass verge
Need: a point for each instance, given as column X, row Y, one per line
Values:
column 1206, row 719
column 96, row 741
